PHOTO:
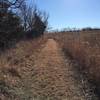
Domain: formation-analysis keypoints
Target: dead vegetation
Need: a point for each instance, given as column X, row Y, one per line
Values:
column 15, row 64
column 36, row 68
column 84, row 47
column 56, row 78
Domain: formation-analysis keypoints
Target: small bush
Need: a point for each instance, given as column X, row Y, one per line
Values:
column 10, row 28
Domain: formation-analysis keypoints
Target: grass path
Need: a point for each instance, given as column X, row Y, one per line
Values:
column 56, row 78
column 42, row 73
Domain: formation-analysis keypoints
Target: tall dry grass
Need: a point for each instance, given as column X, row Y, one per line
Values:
column 84, row 47
column 15, row 63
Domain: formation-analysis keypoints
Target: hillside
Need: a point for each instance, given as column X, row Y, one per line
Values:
column 38, row 69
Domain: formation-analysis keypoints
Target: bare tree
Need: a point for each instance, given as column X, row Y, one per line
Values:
column 6, row 5
column 15, row 3
column 24, row 15
column 40, row 22
column 33, row 19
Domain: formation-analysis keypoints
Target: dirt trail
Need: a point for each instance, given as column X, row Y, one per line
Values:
column 54, row 78
column 43, row 73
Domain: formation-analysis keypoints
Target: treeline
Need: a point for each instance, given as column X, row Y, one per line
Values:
column 18, row 20
column 64, row 30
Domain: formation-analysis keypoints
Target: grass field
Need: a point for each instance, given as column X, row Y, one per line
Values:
column 84, row 47
column 36, row 67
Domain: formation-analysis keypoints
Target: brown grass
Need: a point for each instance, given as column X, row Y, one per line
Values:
column 84, row 47
column 14, row 67
column 30, row 63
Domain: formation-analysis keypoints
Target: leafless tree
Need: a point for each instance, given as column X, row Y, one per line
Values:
column 33, row 19
column 6, row 5
column 15, row 3
column 24, row 15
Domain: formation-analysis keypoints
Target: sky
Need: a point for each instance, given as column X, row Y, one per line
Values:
column 71, row 13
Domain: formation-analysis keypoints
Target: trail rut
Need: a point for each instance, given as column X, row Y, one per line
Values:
column 43, row 73
column 55, row 78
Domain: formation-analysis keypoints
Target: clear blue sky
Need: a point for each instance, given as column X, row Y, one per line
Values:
column 71, row 13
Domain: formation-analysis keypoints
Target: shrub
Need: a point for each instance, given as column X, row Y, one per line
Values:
column 10, row 27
